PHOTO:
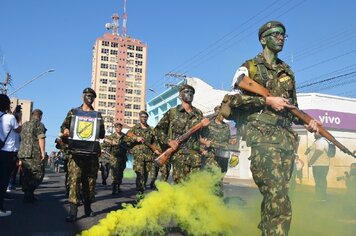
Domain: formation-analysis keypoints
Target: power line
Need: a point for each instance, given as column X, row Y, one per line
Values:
column 325, row 61
column 215, row 45
column 326, row 80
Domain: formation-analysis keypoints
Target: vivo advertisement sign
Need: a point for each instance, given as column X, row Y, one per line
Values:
column 333, row 119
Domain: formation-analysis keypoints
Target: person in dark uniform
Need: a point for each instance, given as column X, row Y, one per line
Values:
column 82, row 167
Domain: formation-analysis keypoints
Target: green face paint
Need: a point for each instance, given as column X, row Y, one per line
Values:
column 274, row 39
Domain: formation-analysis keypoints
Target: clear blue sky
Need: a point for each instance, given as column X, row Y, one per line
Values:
column 206, row 39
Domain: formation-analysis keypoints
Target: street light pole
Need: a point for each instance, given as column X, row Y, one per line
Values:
column 30, row 81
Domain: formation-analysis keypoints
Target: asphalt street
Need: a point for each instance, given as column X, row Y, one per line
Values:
column 46, row 217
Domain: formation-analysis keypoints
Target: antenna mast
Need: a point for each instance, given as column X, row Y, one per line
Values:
column 124, row 21
column 114, row 25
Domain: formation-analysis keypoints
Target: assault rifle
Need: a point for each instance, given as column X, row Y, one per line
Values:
column 150, row 146
column 250, row 85
column 163, row 158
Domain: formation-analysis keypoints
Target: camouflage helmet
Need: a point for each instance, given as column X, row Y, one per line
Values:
column 186, row 86
column 89, row 90
column 270, row 25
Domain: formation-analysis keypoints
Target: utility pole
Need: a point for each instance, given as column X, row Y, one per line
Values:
column 179, row 76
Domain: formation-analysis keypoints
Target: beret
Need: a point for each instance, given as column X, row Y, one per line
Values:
column 186, row 86
column 37, row 111
column 143, row 113
column 270, row 25
column 90, row 90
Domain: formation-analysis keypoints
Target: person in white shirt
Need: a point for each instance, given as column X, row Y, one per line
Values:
column 319, row 160
column 8, row 129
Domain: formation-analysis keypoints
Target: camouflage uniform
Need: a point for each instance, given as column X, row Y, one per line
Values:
column 173, row 124
column 117, row 158
column 82, row 169
column 143, row 155
column 63, row 147
column 219, row 135
column 30, row 156
column 272, row 141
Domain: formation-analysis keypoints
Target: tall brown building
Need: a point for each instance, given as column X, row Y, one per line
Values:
column 119, row 77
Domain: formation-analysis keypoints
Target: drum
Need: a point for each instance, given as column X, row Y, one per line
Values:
column 84, row 130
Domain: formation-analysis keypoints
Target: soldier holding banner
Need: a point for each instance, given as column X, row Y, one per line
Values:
column 83, row 127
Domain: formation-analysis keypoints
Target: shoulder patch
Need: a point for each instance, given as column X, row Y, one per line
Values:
column 284, row 78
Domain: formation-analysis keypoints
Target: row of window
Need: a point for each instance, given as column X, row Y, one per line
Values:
column 134, row 91
column 134, row 99
column 110, row 74
column 133, row 106
column 111, row 44
column 129, row 69
column 109, row 89
column 115, row 52
column 112, row 59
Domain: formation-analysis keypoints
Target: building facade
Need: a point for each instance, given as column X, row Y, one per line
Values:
column 119, row 78
column 26, row 108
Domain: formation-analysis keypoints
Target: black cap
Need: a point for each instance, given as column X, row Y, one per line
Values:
column 270, row 25
column 186, row 86
column 37, row 111
column 143, row 113
column 89, row 90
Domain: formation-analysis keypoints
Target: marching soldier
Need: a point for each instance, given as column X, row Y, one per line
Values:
column 266, row 126
column 215, row 138
column 82, row 167
column 117, row 148
column 139, row 138
column 176, row 122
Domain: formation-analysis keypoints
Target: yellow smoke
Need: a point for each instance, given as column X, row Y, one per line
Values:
column 191, row 205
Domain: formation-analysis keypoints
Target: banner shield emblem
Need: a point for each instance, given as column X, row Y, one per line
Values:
column 85, row 129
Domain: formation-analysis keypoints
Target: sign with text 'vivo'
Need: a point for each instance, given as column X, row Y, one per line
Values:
column 334, row 119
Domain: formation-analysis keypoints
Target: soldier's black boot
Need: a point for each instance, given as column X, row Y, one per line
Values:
column 119, row 189
column 153, row 185
column 114, row 189
column 33, row 197
column 27, row 198
column 73, row 211
column 87, row 209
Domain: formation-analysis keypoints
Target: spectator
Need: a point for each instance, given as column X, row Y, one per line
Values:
column 319, row 160
column 8, row 129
